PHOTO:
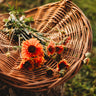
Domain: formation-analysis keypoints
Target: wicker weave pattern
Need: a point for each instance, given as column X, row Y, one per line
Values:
column 49, row 19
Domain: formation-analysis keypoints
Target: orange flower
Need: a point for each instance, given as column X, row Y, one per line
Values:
column 66, row 40
column 62, row 64
column 31, row 63
column 59, row 49
column 38, row 61
column 51, row 48
column 26, row 64
column 31, row 48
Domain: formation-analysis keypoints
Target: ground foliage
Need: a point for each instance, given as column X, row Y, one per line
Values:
column 84, row 83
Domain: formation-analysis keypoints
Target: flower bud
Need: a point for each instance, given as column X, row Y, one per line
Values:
column 86, row 61
column 8, row 54
column 88, row 54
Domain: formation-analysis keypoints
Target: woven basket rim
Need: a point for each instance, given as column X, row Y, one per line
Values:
column 71, row 72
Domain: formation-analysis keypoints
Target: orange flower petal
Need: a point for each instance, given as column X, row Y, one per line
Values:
column 38, row 62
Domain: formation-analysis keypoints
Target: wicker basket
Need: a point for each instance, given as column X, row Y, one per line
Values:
column 51, row 18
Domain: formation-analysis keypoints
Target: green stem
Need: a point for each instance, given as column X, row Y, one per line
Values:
column 16, row 4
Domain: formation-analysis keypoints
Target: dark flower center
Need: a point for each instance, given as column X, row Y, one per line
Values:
column 62, row 65
column 49, row 72
column 27, row 64
column 50, row 49
column 57, row 49
column 31, row 49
